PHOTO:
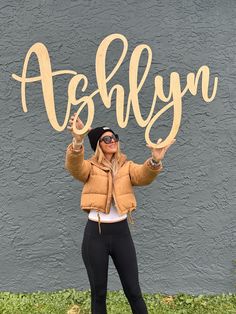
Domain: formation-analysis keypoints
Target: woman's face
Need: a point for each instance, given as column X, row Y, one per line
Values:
column 108, row 148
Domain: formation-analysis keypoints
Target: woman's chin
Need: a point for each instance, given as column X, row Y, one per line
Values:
column 112, row 150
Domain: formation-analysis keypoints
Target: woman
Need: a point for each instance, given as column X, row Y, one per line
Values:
column 108, row 198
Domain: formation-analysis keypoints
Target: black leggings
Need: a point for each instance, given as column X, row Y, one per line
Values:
column 116, row 241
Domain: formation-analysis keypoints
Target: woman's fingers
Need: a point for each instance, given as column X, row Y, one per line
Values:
column 79, row 124
column 78, row 121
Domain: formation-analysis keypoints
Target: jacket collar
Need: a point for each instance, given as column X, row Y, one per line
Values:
column 101, row 166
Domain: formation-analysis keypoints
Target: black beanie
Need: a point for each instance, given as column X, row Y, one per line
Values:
column 95, row 134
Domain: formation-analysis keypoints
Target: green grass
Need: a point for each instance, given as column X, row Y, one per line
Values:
column 61, row 302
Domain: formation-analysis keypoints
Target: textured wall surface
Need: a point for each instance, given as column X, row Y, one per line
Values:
column 184, row 230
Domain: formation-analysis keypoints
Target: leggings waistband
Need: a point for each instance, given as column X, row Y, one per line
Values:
column 130, row 219
column 119, row 227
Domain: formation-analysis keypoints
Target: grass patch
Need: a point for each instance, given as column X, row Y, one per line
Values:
column 71, row 301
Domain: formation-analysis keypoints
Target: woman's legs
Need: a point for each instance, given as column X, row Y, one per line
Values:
column 96, row 258
column 116, row 241
column 124, row 257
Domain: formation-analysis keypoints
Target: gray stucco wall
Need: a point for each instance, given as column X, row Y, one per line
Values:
column 184, row 229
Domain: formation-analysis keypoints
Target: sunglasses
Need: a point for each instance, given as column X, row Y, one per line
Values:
column 108, row 139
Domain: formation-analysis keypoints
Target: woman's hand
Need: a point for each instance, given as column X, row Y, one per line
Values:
column 159, row 153
column 79, row 125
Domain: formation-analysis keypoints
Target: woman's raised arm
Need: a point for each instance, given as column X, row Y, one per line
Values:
column 75, row 163
column 143, row 174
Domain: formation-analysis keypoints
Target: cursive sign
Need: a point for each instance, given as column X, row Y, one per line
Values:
column 80, row 81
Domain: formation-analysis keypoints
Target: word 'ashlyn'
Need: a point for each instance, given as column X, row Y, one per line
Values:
column 173, row 99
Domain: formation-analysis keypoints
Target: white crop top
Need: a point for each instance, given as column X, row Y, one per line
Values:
column 113, row 216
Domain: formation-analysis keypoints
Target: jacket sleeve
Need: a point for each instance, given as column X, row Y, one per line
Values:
column 75, row 163
column 143, row 174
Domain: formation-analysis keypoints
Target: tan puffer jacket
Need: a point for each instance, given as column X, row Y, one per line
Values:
column 99, row 185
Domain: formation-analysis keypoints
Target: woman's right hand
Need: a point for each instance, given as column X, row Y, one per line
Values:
column 79, row 125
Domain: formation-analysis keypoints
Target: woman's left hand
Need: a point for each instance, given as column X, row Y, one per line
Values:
column 159, row 153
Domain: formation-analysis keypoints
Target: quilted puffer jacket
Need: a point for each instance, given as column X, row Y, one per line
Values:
column 100, row 186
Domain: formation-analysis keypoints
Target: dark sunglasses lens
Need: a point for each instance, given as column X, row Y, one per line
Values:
column 107, row 139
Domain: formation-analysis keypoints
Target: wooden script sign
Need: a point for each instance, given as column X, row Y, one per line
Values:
column 80, row 81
